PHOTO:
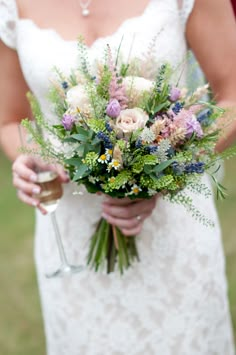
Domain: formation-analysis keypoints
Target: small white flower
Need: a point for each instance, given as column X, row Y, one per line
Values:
column 108, row 153
column 135, row 189
column 115, row 164
column 103, row 159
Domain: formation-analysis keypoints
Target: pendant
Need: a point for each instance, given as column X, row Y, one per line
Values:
column 85, row 12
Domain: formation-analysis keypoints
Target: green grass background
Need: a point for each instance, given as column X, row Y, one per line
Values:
column 21, row 329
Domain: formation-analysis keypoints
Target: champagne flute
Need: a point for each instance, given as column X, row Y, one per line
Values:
column 49, row 197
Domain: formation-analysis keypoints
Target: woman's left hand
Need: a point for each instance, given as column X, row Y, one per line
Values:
column 127, row 214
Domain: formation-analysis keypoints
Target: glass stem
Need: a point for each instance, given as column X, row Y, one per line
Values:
column 58, row 239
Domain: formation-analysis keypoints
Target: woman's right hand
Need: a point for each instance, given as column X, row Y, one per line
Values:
column 25, row 178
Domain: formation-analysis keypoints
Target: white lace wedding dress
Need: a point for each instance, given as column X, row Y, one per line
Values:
column 173, row 302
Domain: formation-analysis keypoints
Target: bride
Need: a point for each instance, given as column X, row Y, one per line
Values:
column 173, row 302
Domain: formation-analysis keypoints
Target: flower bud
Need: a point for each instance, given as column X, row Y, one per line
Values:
column 68, row 122
column 113, row 108
column 175, row 94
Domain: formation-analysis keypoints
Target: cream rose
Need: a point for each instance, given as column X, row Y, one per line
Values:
column 77, row 97
column 135, row 88
column 130, row 120
column 137, row 84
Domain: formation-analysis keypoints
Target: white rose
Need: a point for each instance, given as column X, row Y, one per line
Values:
column 131, row 119
column 137, row 84
column 77, row 97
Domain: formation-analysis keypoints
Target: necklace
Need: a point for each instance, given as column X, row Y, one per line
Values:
column 84, row 7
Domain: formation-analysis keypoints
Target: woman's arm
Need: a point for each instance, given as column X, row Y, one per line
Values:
column 211, row 34
column 13, row 108
column 13, row 102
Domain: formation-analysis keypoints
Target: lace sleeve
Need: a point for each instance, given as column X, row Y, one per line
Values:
column 8, row 19
column 185, row 7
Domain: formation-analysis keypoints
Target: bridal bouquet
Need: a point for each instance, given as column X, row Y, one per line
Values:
column 126, row 135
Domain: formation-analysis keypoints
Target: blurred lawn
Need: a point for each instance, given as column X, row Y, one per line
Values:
column 21, row 331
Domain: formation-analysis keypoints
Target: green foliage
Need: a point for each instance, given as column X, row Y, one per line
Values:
column 60, row 105
column 141, row 161
column 104, row 83
column 91, row 160
column 97, row 125
column 117, row 182
column 84, row 66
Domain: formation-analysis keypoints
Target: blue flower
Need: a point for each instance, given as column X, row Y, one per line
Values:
column 203, row 117
column 192, row 168
column 106, row 140
column 65, row 85
column 178, row 169
column 138, row 143
column 177, row 107
column 108, row 127
column 151, row 149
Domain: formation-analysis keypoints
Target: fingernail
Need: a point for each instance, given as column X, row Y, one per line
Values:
column 33, row 177
column 35, row 203
column 36, row 190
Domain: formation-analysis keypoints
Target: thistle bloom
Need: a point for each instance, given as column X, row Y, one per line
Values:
column 113, row 108
column 175, row 94
column 68, row 122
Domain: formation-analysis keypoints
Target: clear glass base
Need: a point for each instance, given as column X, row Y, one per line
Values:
column 65, row 270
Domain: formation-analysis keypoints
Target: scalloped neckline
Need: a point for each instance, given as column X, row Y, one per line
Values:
column 89, row 46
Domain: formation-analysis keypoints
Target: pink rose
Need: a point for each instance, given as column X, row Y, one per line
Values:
column 130, row 120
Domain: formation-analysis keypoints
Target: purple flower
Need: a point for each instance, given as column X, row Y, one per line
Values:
column 68, row 122
column 113, row 108
column 175, row 94
column 193, row 126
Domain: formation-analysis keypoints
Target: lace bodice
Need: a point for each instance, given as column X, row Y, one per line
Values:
column 9, row 18
column 173, row 302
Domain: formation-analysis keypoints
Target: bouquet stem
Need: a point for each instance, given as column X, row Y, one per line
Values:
column 108, row 246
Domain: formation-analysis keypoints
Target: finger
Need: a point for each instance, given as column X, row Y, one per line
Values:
column 132, row 232
column 124, row 223
column 29, row 200
column 26, row 187
column 119, row 201
column 41, row 209
column 129, row 211
column 24, row 168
